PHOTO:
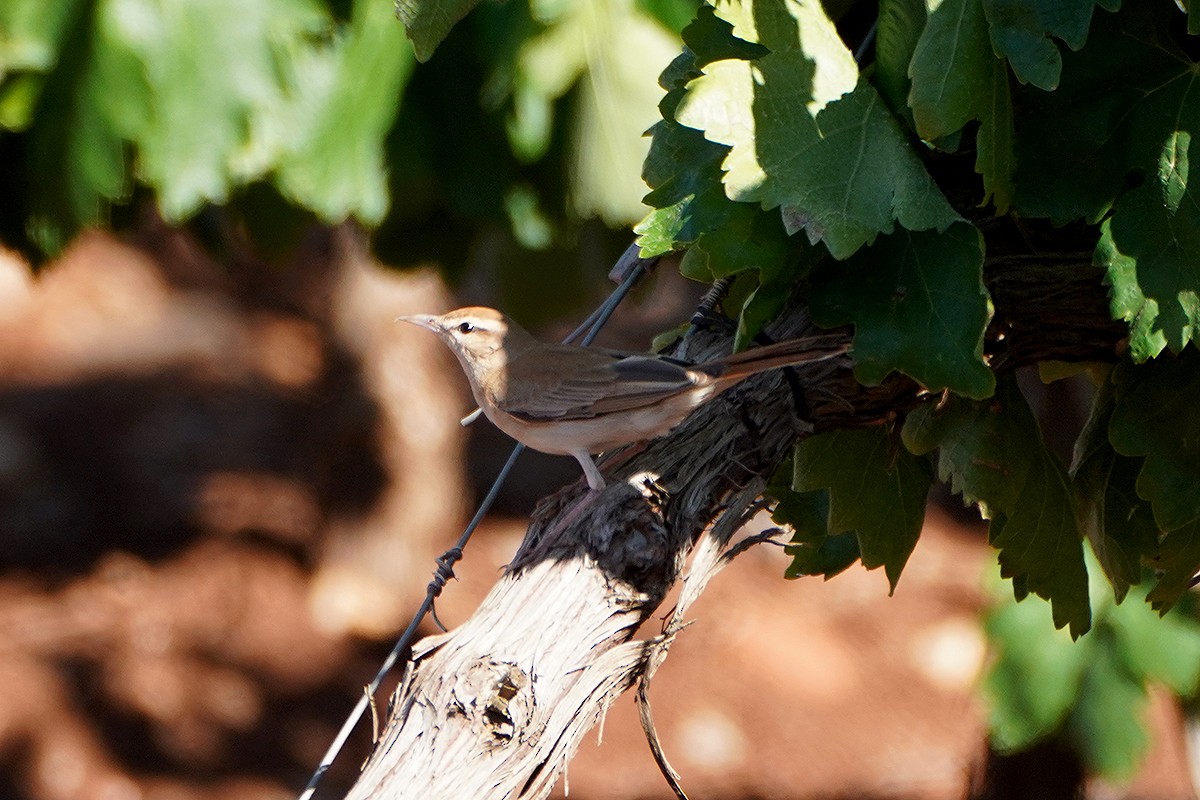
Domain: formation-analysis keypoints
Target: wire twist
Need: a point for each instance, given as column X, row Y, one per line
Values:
column 629, row 269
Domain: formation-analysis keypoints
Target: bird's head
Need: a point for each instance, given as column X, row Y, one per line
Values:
column 480, row 337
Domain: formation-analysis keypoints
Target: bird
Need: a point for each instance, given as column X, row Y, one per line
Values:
column 569, row 400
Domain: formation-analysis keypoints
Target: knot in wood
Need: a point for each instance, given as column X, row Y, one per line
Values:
column 497, row 697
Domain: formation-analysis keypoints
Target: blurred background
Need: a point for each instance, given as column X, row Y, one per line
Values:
column 225, row 471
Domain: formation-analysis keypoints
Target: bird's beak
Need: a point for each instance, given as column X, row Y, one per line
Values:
column 427, row 321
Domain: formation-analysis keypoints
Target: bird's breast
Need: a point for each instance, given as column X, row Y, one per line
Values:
column 602, row 432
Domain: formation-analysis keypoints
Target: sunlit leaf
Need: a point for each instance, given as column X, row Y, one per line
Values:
column 807, row 136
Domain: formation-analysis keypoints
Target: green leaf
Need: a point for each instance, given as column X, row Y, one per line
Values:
column 992, row 453
column 77, row 162
column 897, row 33
column 1156, row 416
column 1116, row 137
column 1023, row 31
column 876, row 489
column 1128, row 302
column 427, row 22
column 1161, row 649
column 32, row 33
column 206, row 108
column 608, row 144
column 1150, row 247
column 1089, row 693
column 1035, row 676
column 31, row 36
column 918, row 305
column 688, row 201
column 1120, row 99
column 684, row 169
column 674, row 15
column 806, row 135
column 336, row 123
column 710, row 38
column 748, row 241
column 955, row 79
column 813, row 550
column 983, row 448
column 1118, row 523
column 204, row 82
column 1039, row 543
column 584, row 47
column 1105, row 724
column 1177, row 561
column 829, row 556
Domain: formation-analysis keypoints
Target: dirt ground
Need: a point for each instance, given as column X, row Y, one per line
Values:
column 221, row 491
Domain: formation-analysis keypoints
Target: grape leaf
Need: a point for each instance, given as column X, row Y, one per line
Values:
column 209, row 108
column 813, row 550
column 827, row 557
column 1120, row 98
column 1035, row 676
column 1038, row 540
column 1117, row 137
column 806, row 135
column 876, row 489
column 992, row 453
column 210, row 86
column 674, row 15
column 77, row 162
column 918, row 305
column 31, row 38
column 683, row 168
column 1118, row 523
column 1177, row 562
column 1165, row 650
column 336, row 122
column 427, row 22
column 32, row 33
column 608, row 145
column 723, row 237
column 897, row 33
column 1151, row 246
column 1156, row 416
column 956, row 78
column 1023, row 31
column 982, row 451
column 1041, row 683
column 1103, row 723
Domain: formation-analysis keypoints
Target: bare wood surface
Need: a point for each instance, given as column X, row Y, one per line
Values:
column 496, row 708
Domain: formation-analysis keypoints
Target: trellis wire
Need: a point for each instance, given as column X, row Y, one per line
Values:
column 628, row 270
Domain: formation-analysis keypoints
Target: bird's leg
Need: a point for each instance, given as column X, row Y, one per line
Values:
column 595, row 480
column 595, row 483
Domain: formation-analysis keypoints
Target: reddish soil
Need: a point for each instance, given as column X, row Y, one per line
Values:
column 219, row 496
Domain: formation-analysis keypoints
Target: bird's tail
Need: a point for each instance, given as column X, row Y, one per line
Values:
column 792, row 352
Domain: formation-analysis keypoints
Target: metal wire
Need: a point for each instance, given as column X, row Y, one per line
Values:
column 637, row 267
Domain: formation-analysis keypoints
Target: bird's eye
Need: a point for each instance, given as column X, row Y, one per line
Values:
column 465, row 327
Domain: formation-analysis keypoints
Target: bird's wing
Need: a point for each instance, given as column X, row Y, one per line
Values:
column 585, row 383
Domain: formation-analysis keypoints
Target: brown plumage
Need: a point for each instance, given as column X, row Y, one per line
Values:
column 576, row 401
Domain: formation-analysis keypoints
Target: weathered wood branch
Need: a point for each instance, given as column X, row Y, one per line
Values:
column 497, row 707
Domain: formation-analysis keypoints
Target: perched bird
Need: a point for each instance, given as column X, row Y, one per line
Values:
column 575, row 401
